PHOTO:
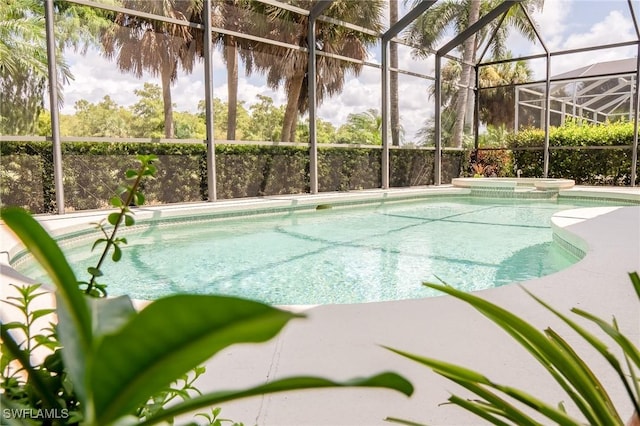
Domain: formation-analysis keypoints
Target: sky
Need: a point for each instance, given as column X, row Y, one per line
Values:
column 563, row 24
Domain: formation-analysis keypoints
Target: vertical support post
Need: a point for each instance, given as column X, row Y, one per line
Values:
column 53, row 104
column 476, row 115
column 208, row 100
column 437, row 164
column 386, row 108
column 516, row 116
column 547, row 117
column 312, row 89
column 634, row 152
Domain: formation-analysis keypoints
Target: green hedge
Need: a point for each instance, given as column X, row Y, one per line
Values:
column 605, row 166
column 92, row 171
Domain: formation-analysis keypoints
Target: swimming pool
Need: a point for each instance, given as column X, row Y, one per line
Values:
column 344, row 255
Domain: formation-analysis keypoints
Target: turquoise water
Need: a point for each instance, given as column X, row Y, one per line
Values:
column 343, row 255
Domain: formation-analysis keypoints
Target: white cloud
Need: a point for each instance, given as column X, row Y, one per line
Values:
column 552, row 21
column 615, row 27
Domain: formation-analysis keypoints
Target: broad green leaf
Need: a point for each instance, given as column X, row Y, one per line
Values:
column 384, row 380
column 113, row 218
column 168, row 338
column 45, row 250
column 110, row 315
column 129, row 174
column 75, row 356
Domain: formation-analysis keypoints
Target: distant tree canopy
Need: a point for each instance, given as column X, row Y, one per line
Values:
column 23, row 56
column 261, row 121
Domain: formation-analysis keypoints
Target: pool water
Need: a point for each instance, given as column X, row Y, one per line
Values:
column 346, row 255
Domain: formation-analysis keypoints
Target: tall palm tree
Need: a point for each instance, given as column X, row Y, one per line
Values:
column 432, row 26
column 393, row 81
column 142, row 44
column 286, row 67
column 233, row 15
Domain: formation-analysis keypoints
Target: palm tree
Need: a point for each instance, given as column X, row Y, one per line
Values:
column 233, row 15
column 393, row 81
column 431, row 27
column 497, row 104
column 142, row 44
column 23, row 56
column 287, row 67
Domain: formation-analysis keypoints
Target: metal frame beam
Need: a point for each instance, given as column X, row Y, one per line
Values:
column 385, row 39
column 502, row 8
column 634, row 153
column 316, row 11
column 208, row 99
column 477, row 26
column 407, row 19
column 54, row 106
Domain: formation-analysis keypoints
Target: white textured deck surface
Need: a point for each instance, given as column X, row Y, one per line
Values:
column 342, row 341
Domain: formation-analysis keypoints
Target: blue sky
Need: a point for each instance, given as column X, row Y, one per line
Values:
column 564, row 24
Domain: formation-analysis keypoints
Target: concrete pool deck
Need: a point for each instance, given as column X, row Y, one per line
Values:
column 342, row 341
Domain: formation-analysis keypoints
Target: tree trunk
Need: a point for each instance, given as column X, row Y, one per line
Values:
column 166, row 99
column 294, row 87
column 231, row 56
column 468, row 52
column 393, row 81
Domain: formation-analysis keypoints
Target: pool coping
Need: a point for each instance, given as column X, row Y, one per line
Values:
column 342, row 341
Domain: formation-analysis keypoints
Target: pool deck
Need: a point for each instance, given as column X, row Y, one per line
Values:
column 343, row 341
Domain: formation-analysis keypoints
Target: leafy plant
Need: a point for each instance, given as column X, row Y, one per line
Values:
column 117, row 359
column 557, row 356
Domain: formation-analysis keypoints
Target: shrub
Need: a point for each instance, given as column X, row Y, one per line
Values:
column 609, row 165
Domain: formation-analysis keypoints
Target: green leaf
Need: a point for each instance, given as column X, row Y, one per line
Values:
column 117, row 253
column 110, row 315
column 38, row 383
column 129, row 220
column 41, row 313
column 130, row 174
column 116, row 201
column 167, row 339
column 94, row 272
column 139, row 197
column 98, row 241
column 578, row 383
column 635, row 280
column 45, row 250
column 114, row 218
column 403, row 421
column 384, row 380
